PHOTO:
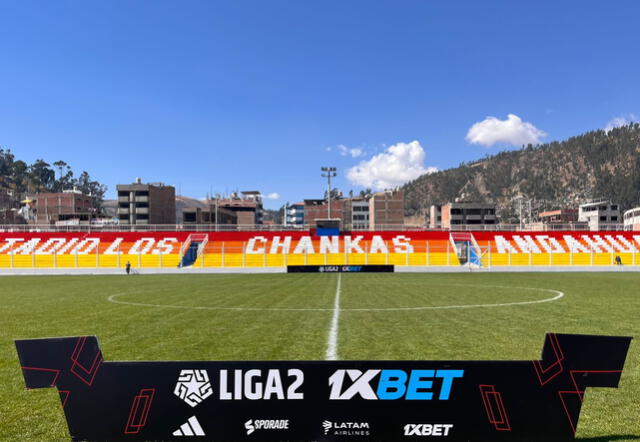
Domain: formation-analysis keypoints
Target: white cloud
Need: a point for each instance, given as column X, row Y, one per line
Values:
column 355, row 152
column 273, row 196
column 512, row 131
column 398, row 164
column 623, row 120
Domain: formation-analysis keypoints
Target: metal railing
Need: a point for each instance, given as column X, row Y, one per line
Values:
column 234, row 255
column 281, row 227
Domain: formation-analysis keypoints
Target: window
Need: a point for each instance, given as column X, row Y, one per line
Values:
column 614, row 218
column 614, row 207
column 456, row 211
column 474, row 211
column 603, row 218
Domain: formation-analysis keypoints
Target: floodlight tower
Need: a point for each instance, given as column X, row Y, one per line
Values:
column 329, row 172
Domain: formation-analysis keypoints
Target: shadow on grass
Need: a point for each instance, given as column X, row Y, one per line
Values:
column 609, row 438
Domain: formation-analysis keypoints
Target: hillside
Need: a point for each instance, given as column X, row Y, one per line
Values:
column 19, row 180
column 596, row 164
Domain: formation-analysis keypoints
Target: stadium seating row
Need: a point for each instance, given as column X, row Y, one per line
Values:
column 277, row 249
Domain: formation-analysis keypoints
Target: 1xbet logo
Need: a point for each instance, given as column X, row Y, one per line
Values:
column 427, row 429
column 393, row 384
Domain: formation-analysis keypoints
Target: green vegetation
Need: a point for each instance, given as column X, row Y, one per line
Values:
column 597, row 164
column 598, row 303
column 20, row 179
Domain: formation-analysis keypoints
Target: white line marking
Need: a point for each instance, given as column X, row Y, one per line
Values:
column 558, row 295
column 332, row 338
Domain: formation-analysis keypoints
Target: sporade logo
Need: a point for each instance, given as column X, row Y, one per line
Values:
column 346, row 428
column 266, row 424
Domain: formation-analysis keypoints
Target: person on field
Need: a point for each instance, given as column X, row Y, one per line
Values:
column 618, row 260
column 128, row 267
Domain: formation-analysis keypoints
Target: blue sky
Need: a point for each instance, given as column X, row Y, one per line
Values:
column 227, row 95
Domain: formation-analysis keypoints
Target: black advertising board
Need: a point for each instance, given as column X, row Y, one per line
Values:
column 373, row 268
column 326, row 400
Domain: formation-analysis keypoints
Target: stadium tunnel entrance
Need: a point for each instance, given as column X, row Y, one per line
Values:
column 467, row 249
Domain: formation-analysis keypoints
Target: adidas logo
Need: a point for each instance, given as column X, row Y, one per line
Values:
column 190, row 428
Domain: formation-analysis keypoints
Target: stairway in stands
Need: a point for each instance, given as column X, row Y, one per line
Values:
column 192, row 248
column 466, row 248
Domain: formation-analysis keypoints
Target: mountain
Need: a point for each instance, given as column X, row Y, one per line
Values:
column 597, row 164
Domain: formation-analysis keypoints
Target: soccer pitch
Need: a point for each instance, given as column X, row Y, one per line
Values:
column 315, row 317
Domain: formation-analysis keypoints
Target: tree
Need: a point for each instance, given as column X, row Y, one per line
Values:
column 42, row 176
column 65, row 181
column 19, row 177
column 6, row 164
column 86, row 185
column 366, row 193
column 335, row 194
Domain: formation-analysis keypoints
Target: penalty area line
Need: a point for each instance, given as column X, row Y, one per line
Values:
column 332, row 337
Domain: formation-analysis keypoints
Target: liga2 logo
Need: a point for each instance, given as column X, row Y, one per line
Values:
column 193, row 386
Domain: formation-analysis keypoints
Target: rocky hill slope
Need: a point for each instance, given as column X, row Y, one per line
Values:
column 597, row 164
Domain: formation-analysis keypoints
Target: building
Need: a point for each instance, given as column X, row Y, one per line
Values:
column 70, row 206
column 209, row 215
column 560, row 219
column 152, row 203
column 294, row 215
column 560, row 216
column 599, row 214
column 356, row 213
column 632, row 219
column 6, row 199
column 353, row 213
column 435, row 216
column 319, row 209
column 359, row 214
column 468, row 214
column 247, row 206
column 386, row 210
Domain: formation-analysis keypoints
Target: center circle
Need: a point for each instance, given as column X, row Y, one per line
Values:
column 553, row 295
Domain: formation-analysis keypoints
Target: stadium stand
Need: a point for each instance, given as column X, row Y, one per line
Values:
column 278, row 249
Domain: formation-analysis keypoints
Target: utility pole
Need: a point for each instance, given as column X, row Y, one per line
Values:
column 286, row 207
column 330, row 172
column 520, row 198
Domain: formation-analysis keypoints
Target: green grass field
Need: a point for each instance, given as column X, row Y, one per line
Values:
column 288, row 316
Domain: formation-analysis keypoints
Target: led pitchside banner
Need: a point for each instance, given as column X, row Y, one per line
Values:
column 325, row 400
column 341, row 269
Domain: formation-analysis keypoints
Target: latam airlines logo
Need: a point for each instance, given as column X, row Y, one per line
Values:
column 193, row 386
column 346, row 428
column 393, row 384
